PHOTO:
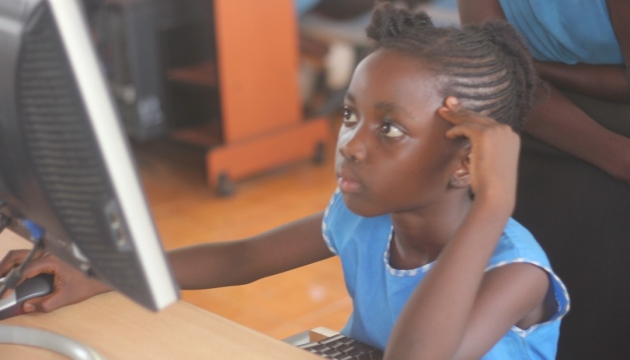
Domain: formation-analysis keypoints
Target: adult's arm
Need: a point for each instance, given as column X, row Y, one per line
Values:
column 343, row 10
column 558, row 121
column 348, row 9
column 606, row 82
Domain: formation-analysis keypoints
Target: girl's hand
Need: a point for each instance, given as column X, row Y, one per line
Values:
column 493, row 158
column 70, row 285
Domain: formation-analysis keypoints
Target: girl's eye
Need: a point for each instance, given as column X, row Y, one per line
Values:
column 349, row 117
column 390, row 130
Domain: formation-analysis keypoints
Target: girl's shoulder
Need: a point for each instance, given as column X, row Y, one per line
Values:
column 516, row 243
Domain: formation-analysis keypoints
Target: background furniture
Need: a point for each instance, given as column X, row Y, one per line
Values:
column 256, row 76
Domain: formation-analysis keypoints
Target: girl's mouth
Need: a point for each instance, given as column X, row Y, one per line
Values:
column 348, row 186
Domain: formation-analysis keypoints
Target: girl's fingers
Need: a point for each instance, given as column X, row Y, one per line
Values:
column 467, row 130
column 467, row 123
column 47, row 265
column 456, row 114
column 463, row 116
column 13, row 257
column 44, row 304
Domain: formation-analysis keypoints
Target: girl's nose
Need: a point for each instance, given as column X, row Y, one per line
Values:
column 352, row 146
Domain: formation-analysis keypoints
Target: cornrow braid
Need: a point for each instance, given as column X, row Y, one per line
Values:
column 487, row 67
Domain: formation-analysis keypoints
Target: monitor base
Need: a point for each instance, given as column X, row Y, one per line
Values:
column 20, row 335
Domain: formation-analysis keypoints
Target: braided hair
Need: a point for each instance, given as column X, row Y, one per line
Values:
column 487, row 67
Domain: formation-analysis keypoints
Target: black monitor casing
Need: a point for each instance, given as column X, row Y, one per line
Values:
column 65, row 164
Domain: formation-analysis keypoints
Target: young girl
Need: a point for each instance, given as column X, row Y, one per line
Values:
column 421, row 220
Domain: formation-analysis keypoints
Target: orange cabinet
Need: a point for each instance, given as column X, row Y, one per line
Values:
column 256, row 73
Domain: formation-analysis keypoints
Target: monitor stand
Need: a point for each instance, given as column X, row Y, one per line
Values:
column 20, row 335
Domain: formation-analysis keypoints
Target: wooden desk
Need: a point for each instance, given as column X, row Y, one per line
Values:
column 119, row 329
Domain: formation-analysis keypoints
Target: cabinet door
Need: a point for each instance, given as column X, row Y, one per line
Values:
column 257, row 49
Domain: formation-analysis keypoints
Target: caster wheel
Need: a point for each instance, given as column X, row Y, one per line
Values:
column 320, row 153
column 225, row 186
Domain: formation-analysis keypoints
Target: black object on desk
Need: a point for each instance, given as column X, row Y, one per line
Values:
column 341, row 347
column 40, row 285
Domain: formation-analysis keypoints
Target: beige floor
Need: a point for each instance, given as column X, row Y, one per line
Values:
column 188, row 212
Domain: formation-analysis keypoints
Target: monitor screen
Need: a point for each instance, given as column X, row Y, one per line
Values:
column 65, row 164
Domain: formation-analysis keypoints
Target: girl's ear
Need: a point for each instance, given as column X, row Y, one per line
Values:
column 461, row 176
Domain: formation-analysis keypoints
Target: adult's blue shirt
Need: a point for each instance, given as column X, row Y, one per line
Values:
column 567, row 31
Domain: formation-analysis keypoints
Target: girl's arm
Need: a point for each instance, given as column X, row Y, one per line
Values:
column 459, row 311
column 558, row 121
column 240, row 262
column 197, row 267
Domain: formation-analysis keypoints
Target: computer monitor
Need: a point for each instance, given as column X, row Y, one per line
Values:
column 65, row 165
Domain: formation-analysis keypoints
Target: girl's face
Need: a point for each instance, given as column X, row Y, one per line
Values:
column 392, row 153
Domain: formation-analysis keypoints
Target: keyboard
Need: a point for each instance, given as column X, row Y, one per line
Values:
column 340, row 347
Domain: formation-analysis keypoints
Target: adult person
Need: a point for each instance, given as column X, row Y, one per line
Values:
column 574, row 175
